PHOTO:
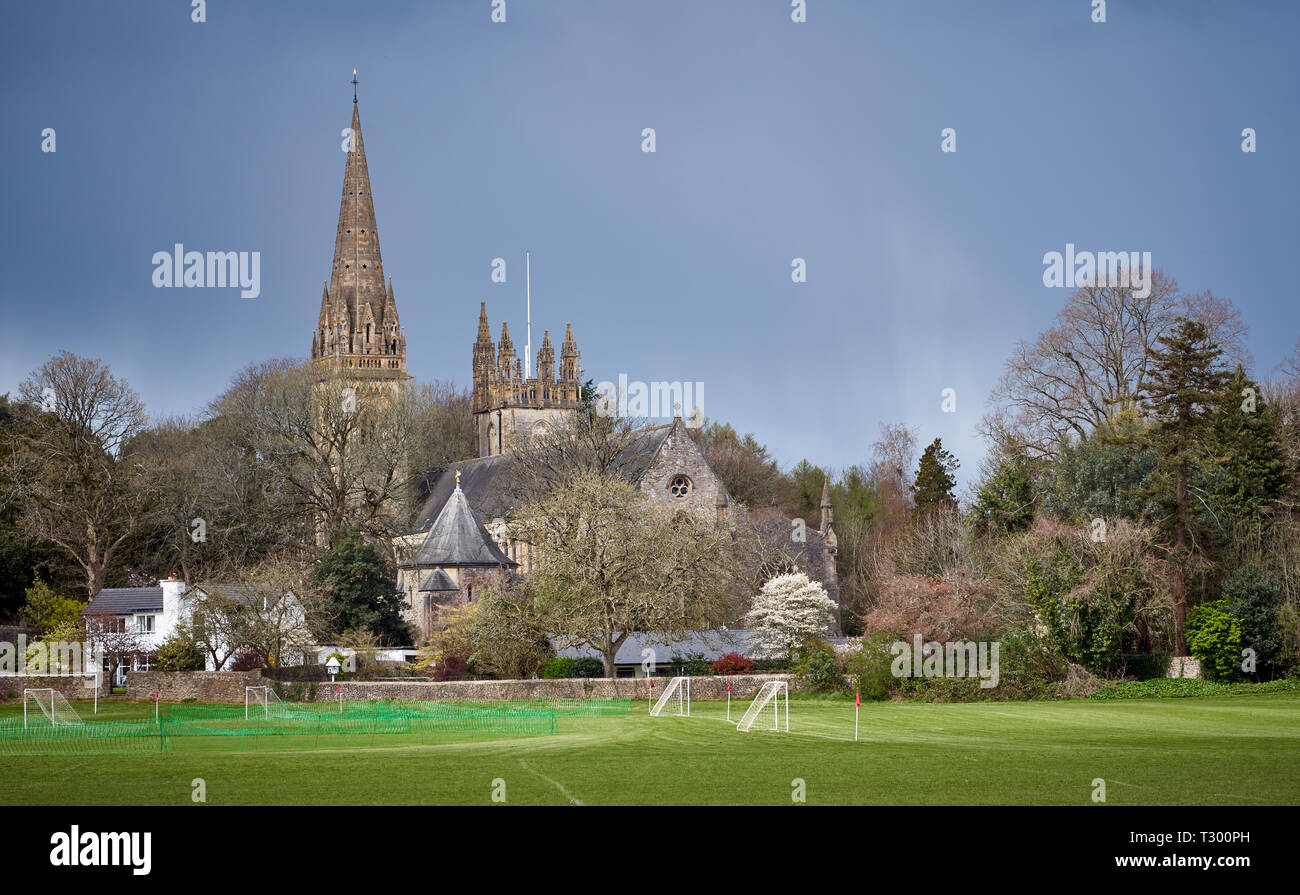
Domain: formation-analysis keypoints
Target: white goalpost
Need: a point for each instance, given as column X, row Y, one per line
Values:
column 91, row 676
column 263, row 701
column 682, row 687
column 57, row 710
column 769, row 693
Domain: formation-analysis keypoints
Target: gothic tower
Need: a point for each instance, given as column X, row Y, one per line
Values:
column 507, row 406
column 358, row 330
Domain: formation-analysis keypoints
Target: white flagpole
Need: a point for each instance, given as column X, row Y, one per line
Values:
column 528, row 304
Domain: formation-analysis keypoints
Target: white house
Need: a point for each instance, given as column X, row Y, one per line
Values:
column 150, row 615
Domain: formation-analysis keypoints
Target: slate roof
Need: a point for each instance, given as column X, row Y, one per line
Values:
column 125, row 600
column 457, row 538
column 479, row 480
column 484, row 480
column 437, row 581
column 712, row 644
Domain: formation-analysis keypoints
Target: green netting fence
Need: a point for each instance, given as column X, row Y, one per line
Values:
column 140, row 737
column 577, row 708
column 424, row 722
column 427, row 719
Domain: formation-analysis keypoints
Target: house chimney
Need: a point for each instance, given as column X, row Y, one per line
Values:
column 172, row 588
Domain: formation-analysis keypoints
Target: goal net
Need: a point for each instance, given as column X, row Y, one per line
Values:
column 679, row 687
column 770, row 693
column 56, row 710
column 261, row 704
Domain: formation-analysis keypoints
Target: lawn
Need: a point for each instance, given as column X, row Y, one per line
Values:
column 1230, row 750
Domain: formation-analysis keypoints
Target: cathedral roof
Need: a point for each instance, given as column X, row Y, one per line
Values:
column 457, row 538
column 484, row 480
column 437, row 581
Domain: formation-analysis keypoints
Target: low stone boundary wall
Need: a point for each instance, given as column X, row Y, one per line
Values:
column 228, row 686
column 201, row 686
column 70, row 687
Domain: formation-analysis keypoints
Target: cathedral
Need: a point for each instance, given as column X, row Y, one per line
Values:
column 454, row 555
column 507, row 406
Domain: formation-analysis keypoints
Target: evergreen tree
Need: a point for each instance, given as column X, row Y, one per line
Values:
column 1005, row 501
column 1186, row 382
column 934, row 479
column 806, row 481
column 1249, row 471
column 361, row 592
column 1106, row 474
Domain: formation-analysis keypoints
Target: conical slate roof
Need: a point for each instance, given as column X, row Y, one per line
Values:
column 437, row 581
column 457, row 539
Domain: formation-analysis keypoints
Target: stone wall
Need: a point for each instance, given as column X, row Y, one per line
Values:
column 70, row 687
column 203, row 686
column 228, row 686
column 1183, row 666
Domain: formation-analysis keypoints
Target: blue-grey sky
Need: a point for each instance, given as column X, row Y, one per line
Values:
column 775, row 140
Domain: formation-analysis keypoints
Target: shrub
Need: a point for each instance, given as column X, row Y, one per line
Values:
column 733, row 663
column 869, row 666
column 1214, row 637
column 1030, row 666
column 557, row 667
column 1173, row 688
column 586, row 667
column 814, row 662
column 178, row 653
column 1254, row 599
column 246, row 661
column 453, row 667
column 1097, row 598
column 694, row 665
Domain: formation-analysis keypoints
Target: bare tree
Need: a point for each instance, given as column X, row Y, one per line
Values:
column 586, row 443
column 1093, row 363
column 74, row 484
column 443, row 433
column 271, row 610
column 609, row 562
column 114, row 638
column 336, row 452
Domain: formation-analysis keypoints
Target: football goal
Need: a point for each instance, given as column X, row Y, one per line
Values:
column 681, row 686
column 262, row 703
column 90, row 679
column 771, row 692
column 57, row 710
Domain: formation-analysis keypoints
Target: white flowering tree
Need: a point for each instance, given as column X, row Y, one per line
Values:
column 788, row 609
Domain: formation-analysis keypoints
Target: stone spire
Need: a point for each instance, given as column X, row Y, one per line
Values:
column 570, row 359
column 506, row 352
column 358, row 312
column 828, row 513
column 546, row 359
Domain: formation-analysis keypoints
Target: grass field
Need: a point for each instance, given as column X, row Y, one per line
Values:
column 1241, row 750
